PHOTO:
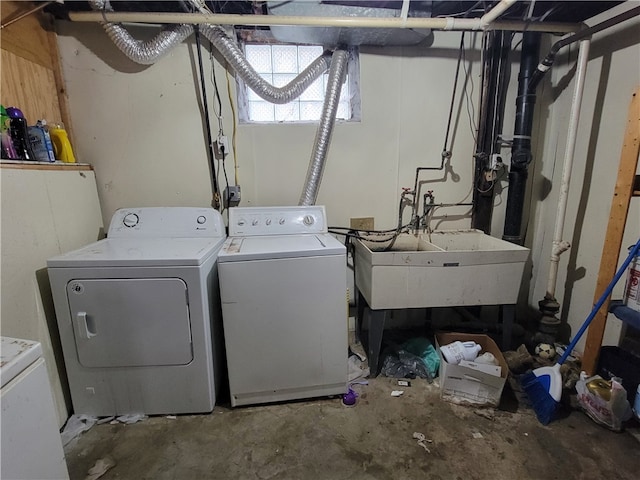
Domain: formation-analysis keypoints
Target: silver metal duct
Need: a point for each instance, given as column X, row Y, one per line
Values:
column 325, row 128
column 149, row 52
column 235, row 57
column 145, row 53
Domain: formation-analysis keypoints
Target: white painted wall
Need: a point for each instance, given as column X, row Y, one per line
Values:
column 44, row 213
column 140, row 127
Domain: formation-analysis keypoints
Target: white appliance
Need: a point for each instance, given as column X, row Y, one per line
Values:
column 284, row 305
column 139, row 313
column 31, row 447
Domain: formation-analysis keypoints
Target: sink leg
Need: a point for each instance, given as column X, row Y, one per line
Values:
column 360, row 306
column 508, row 313
column 376, row 328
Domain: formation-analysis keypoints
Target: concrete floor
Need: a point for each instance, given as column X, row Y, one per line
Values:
column 322, row 439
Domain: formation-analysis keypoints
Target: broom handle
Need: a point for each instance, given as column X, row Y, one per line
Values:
column 600, row 302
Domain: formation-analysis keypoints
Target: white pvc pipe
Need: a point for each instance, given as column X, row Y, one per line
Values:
column 559, row 246
column 495, row 12
column 448, row 23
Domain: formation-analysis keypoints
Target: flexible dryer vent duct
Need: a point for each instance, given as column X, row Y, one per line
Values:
column 149, row 52
column 325, row 129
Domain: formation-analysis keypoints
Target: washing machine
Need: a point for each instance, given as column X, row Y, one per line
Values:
column 139, row 314
column 284, row 305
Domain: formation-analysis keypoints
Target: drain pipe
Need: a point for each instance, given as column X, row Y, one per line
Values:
column 325, row 128
column 521, row 149
column 549, row 306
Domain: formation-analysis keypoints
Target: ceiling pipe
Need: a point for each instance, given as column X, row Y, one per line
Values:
column 449, row 23
column 493, row 14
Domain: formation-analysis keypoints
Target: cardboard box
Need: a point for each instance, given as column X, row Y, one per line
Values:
column 464, row 385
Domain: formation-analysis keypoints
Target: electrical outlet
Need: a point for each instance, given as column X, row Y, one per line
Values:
column 362, row 223
column 222, row 142
column 231, row 196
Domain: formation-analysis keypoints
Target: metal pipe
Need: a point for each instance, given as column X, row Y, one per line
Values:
column 447, row 23
column 559, row 245
column 495, row 12
column 547, row 62
column 325, row 128
column 521, row 147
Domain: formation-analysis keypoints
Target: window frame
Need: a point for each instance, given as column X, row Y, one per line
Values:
column 353, row 72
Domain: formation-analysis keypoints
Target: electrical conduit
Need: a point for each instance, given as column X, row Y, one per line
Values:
column 325, row 128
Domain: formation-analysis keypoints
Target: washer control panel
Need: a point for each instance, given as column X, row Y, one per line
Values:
column 247, row 221
column 166, row 222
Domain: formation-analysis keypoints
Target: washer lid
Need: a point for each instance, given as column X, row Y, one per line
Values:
column 15, row 356
column 140, row 252
column 279, row 246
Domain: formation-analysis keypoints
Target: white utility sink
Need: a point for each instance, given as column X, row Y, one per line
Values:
column 440, row 269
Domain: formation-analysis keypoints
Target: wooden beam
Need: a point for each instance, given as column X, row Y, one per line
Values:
column 27, row 38
column 615, row 229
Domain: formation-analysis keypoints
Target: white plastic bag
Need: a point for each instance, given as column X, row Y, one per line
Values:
column 610, row 412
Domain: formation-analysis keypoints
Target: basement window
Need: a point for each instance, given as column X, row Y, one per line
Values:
column 278, row 65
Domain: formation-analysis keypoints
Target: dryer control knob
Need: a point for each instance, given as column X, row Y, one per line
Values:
column 130, row 220
column 201, row 219
column 281, row 221
column 254, row 222
column 241, row 222
column 268, row 221
column 308, row 220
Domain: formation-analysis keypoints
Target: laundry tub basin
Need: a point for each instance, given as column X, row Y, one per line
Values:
column 441, row 269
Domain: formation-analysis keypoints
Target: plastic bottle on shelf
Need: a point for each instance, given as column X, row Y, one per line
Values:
column 41, row 142
column 19, row 134
column 8, row 150
column 61, row 143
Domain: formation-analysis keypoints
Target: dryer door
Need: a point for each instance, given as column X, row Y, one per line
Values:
column 130, row 322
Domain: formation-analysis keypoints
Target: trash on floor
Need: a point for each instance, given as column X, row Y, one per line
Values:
column 605, row 402
column 414, row 358
column 520, row 360
column 350, row 398
column 470, row 383
column 100, row 468
column 476, row 435
column 488, row 413
column 357, row 370
column 76, row 424
column 422, row 440
column 397, row 393
column 404, row 383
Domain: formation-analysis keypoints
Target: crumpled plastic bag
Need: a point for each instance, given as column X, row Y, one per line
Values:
column 608, row 407
column 400, row 363
column 75, row 426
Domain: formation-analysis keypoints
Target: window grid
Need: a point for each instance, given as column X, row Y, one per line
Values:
column 278, row 65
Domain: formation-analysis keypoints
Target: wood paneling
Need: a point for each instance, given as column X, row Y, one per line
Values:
column 27, row 38
column 30, row 87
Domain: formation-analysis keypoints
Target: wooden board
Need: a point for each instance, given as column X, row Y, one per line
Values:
column 26, row 38
column 29, row 86
column 615, row 229
column 20, row 165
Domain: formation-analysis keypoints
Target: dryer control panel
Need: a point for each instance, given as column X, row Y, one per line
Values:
column 249, row 221
column 176, row 222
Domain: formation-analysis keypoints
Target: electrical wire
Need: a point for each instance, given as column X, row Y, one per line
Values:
column 468, row 102
column 446, row 151
column 205, row 106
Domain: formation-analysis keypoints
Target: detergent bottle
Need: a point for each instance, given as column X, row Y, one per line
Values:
column 8, row 150
column 19, row 134
column 61, row 144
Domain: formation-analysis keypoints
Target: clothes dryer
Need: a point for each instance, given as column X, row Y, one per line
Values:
column 139, row 313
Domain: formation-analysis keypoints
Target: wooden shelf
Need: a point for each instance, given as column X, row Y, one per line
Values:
column 23, row 165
